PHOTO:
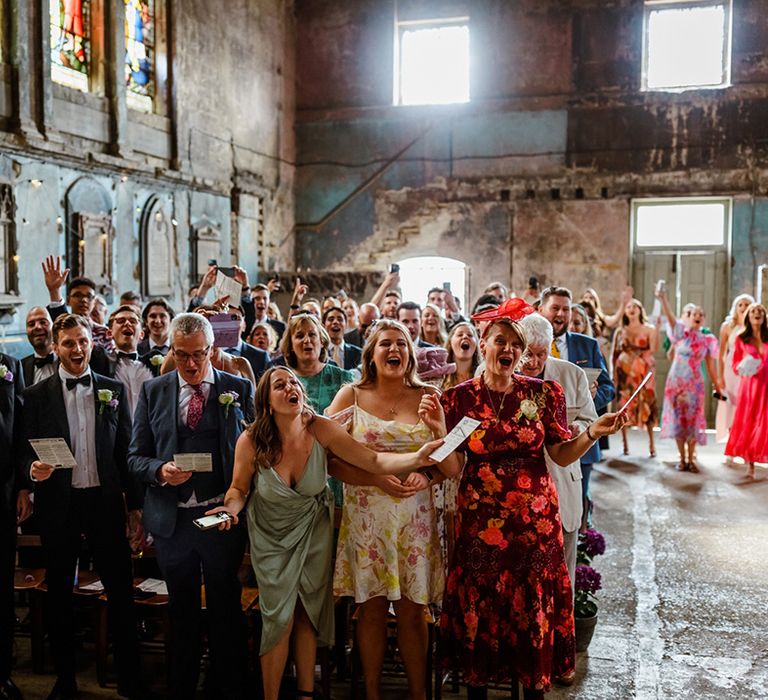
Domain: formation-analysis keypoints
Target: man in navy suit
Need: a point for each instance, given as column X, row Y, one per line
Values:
column 11, row 386
column 409, row 314
column 345, row 355
column 186, row 411
column 90, row 413
column 583, row 351
column 257, row 358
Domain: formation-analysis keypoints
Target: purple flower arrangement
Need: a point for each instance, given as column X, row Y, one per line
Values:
column 588, row 580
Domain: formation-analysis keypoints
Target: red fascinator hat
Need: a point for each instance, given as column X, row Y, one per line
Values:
column 512, row 309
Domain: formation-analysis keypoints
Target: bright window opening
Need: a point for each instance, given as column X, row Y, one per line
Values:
column 687, row 45
column 681, row 224
column 419, row 275
column 432, row 62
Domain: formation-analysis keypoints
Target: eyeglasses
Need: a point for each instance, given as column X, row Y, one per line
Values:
column 79, row 295
column 197, row 356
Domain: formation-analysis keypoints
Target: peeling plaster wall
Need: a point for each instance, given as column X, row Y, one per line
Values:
column 225, row 129
column 535, row 175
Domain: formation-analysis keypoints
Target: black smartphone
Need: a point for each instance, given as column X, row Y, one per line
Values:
column 212, row 262
column 447, row 286
column 717, row 395
column 394, row 267
column 228, row 271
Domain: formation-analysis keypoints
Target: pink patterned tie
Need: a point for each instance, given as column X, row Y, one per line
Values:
column 195, row 408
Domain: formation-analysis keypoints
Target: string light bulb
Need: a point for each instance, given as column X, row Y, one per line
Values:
column 174, row 222
column 36, row 183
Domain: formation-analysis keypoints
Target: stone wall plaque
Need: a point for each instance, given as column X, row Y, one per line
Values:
column 157, row 250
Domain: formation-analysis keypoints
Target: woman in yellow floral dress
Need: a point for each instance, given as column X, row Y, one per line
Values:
column 389, row 550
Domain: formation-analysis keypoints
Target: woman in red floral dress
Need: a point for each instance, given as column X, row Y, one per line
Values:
column 508, row 607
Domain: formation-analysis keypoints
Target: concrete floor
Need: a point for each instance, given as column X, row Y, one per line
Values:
column 684, row 609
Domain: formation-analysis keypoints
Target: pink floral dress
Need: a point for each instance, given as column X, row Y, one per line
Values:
column 683, row 414
column 388, row 546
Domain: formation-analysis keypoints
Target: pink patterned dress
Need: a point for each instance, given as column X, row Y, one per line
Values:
column 683, row 415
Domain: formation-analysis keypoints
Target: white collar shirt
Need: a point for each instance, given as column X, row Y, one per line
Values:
column 562, row 346
column 80, row 405
column 186, row 391
column 43, row 372
column 132, row 373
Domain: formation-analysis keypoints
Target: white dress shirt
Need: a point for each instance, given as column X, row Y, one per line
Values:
column 80, row 405
column 132, row 373
column 43, row 372
column 562, row 346
column 185, row 395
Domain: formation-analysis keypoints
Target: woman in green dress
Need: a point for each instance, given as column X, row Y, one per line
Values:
column 282, row 458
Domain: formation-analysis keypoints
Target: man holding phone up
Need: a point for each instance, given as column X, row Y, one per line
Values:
column 195, row 410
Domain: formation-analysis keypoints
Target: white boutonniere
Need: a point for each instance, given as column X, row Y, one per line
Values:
column 528, row 409
column 6, row 374
column 227, row 399
column 107, row 399
column 156, row 360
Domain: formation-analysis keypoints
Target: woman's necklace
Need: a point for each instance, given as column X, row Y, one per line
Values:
column 501, row 405
column 393, row 410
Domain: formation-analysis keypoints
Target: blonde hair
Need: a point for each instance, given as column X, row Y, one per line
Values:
column 451, row 379
column 367, row 366
column 442, row 335
column 294, row 323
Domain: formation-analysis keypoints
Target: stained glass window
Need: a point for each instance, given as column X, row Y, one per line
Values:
column 70, row 42
column 140, row 53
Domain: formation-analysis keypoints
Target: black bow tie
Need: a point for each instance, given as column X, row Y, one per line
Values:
column 127, row 356
column 43, row 361
column 85, row 380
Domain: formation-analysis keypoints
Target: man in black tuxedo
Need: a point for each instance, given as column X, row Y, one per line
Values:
column 345, row 355
column 257, row 358
column 90, row 412
column 156, row 317
column 11, row 387
column 41, row 363
column 184, row 412
column 124, row 364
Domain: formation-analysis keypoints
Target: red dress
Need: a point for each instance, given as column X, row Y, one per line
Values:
column 748, row 438
column 508, row 610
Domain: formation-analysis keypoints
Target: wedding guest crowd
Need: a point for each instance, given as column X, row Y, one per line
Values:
column 341, row 407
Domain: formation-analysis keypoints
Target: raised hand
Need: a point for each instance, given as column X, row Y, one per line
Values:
column 54, row 276
column 299, row 290
column 240, row 275
column 431, row 414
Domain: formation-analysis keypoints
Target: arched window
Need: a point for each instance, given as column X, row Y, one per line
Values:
column 419, row 275
column 140, row 54
column 70, row 43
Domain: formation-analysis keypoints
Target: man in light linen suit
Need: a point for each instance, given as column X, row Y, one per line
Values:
column 581, row 412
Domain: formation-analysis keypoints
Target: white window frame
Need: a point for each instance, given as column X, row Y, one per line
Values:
column 671, row 201
column 656, row 5
column 402, row 26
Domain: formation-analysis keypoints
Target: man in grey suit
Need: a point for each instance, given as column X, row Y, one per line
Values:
column 194, row 409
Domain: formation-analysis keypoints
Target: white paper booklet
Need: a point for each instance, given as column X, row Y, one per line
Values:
column 460, row 432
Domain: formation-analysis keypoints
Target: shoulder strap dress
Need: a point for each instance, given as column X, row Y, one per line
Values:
column 291, row 533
